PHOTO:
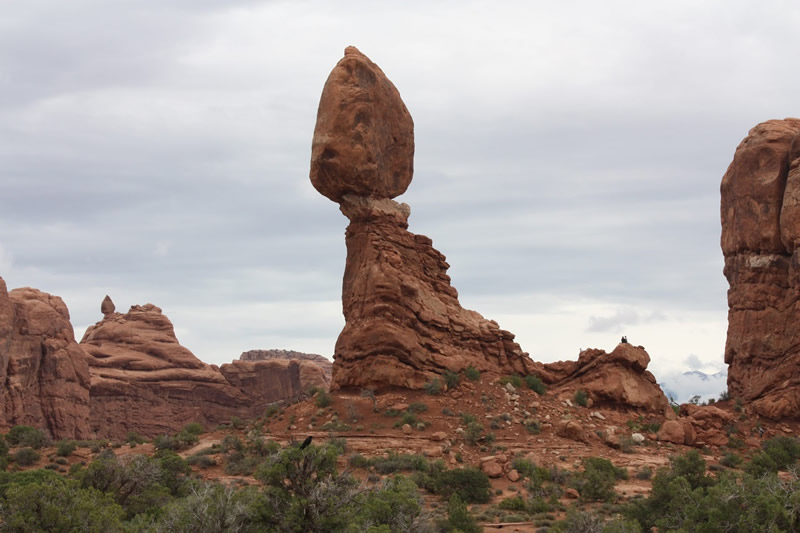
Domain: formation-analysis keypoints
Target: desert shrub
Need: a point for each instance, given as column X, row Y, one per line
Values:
column 323, row 399
column 209, row 507
column 472, row 373
column 358, row 461
column 451, row 379
column 232, row 442
column 59, row 504
column 271, row 410
column 201, row 461
column 3, row 446
column 644, row 473
column 467, row 418
column 692, row 467
column 534, row 427
column 26, row 436
column 408, row 418
column 396, row 462
column 473, row 433
column 25, row 456
column 395, row 504
column 514, row 503
column 783, row 450
column 471, row 484
column 535, row 383
column 239, row 464
column 195, row 428
column 66, row 447
column 433, row 387
column 303, row 491
column 581, row 398
column 596, row 482
column 165, row 442
column 417, row 407
column 731, row 460
column 515, row 380
column 262, row 447
column 459, row 517
column 135, row 438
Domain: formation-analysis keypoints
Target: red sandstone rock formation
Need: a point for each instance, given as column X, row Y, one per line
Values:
column 44, row 372
column 291, row 355
column 143, row 380
column 404, row 324
column 619, row 378
column 760, row 234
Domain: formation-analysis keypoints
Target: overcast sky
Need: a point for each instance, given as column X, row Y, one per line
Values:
column 568, row 160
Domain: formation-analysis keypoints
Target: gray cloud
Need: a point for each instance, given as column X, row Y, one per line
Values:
column 160, row 152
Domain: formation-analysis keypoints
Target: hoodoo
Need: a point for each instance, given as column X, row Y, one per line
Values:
column 761, row 244
column 403, row 322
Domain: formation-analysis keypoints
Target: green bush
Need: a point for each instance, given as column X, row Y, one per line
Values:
column 165, row 442
column 471, row 484
column 135, row 438
column 395, row 504
column 451, row 379
column 194, row 428
column 65, row 448
column 59, row 505
column 459, row 518
column 25, row 457
column 596, row 482
column 396, row 462
column 535, row 383
column 323, row 399
column 472, row 373
column 473, row 433
column 434, row 387
column 515, row 380
column 417, row 407
column 26, row 436
column 731, row 460
column 581, row 398
column 3, row 446
column 201, row 461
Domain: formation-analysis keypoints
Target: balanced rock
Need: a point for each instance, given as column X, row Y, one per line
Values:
column 364, row 138
column 619, row 378
column 107, row 307
column 44, row 372
column 403, row 322
column 760, row 211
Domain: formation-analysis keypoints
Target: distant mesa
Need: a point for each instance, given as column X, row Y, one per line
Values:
column 760, row 211
column 289, row 355
column 404, row 325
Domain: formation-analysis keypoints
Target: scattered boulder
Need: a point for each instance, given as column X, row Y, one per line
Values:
column 492, row 468
column 45, row 373
column 760, row 212
column 404, row 325
column 570, row 429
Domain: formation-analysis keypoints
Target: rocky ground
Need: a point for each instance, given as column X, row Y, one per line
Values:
column 487, row 423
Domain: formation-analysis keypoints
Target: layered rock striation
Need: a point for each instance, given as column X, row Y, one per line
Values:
column 760, row 212
column 290, row 355
column 144, row 380
column 618, row 378
column 44, row 372
column 403, row 321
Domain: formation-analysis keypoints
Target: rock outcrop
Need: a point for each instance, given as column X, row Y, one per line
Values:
column 403, row 321
column 290, row 355
column 143, row 380
column 45, row 374
column 618, row 378
column 760, row 213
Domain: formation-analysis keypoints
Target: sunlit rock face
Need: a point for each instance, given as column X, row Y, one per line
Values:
column 760, row 213
column 403, row 322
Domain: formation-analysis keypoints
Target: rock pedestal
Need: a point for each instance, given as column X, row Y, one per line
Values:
column 760, row 213
column 403, row 322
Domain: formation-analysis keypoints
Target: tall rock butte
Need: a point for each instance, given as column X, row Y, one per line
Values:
column 760, row 211
column 403, row 322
